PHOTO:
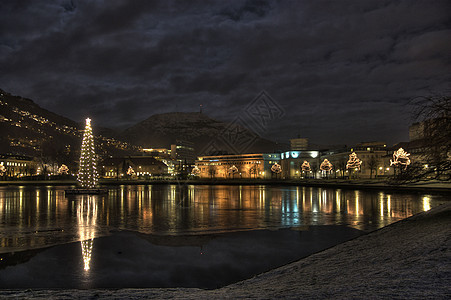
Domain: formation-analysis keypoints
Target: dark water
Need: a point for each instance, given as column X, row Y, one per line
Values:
column 171, row 235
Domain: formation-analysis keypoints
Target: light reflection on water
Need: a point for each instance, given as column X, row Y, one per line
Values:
column 34, row 217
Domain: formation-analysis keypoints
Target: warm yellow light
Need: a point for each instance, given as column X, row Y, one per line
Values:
column 400, row 158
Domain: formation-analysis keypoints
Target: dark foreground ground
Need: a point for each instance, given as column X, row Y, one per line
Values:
column 406, row 260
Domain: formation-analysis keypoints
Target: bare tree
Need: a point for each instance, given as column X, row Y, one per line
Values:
column 372, row 164
column 253, row 171
column 211, row 171
column 341, row 165
column 434, row 113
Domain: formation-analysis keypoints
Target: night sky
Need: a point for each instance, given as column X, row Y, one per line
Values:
column 342, row 71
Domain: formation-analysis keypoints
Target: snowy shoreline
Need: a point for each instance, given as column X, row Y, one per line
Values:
column 406, row 260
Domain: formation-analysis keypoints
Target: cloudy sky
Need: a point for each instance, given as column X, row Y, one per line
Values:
column 342, row 71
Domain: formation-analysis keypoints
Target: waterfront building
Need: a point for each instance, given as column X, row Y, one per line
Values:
column 183, row 151
column 291, row 162
column 375, row 159
column 237, row 166
column 18, row 165
column 299, row 144
column 117, row 167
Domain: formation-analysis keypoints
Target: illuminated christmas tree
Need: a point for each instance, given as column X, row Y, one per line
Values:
column 63, row 170
column 195, row 171
column 326, row 165
column 233, row 170
column 305, row 167
column 2, row 169
column 130, row 171
column 87, row 173
column 400, row 158
column 276, row 168
column 354, row 162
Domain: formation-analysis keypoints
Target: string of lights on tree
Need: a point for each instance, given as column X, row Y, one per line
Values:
column 305, row 167
column 130, row 171
column 195, row 171
column 2, row 169
column 276, row 168
column 354, row 162
column 233, row 169
column 87, row 173
column 326, row 165
column 400, row 158
column 63, row 170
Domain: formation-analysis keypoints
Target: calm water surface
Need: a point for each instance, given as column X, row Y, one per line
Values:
column 35, row 217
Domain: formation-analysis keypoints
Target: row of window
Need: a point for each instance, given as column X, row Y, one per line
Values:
column 230, row 163
column 13, row 164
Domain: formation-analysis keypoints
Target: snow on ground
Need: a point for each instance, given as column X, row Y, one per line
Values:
column 406, row 260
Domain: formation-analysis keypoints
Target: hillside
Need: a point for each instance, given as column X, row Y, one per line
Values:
column 162, row 130
column 28, row 129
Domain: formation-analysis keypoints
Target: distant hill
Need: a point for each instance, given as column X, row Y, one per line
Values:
column 208, row 135
column 28, row 129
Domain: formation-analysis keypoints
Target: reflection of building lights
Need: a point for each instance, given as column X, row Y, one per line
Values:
column 426, row 203
column 389, row 205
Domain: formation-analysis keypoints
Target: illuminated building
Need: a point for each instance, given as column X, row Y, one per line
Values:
column 299, row 144
column 247, row 165
column 292, row 161
column 183, row 151
column 374, row 160
column 116, row 167
column 18, row 165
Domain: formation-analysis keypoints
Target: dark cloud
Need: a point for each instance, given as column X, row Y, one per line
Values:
column 342, row 70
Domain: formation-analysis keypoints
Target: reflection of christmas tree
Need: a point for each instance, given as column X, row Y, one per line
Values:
column 326, row 165
column 354, row 162
column 87, row 217
column 305, row 167
column 400, row 158
column 87, row 173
